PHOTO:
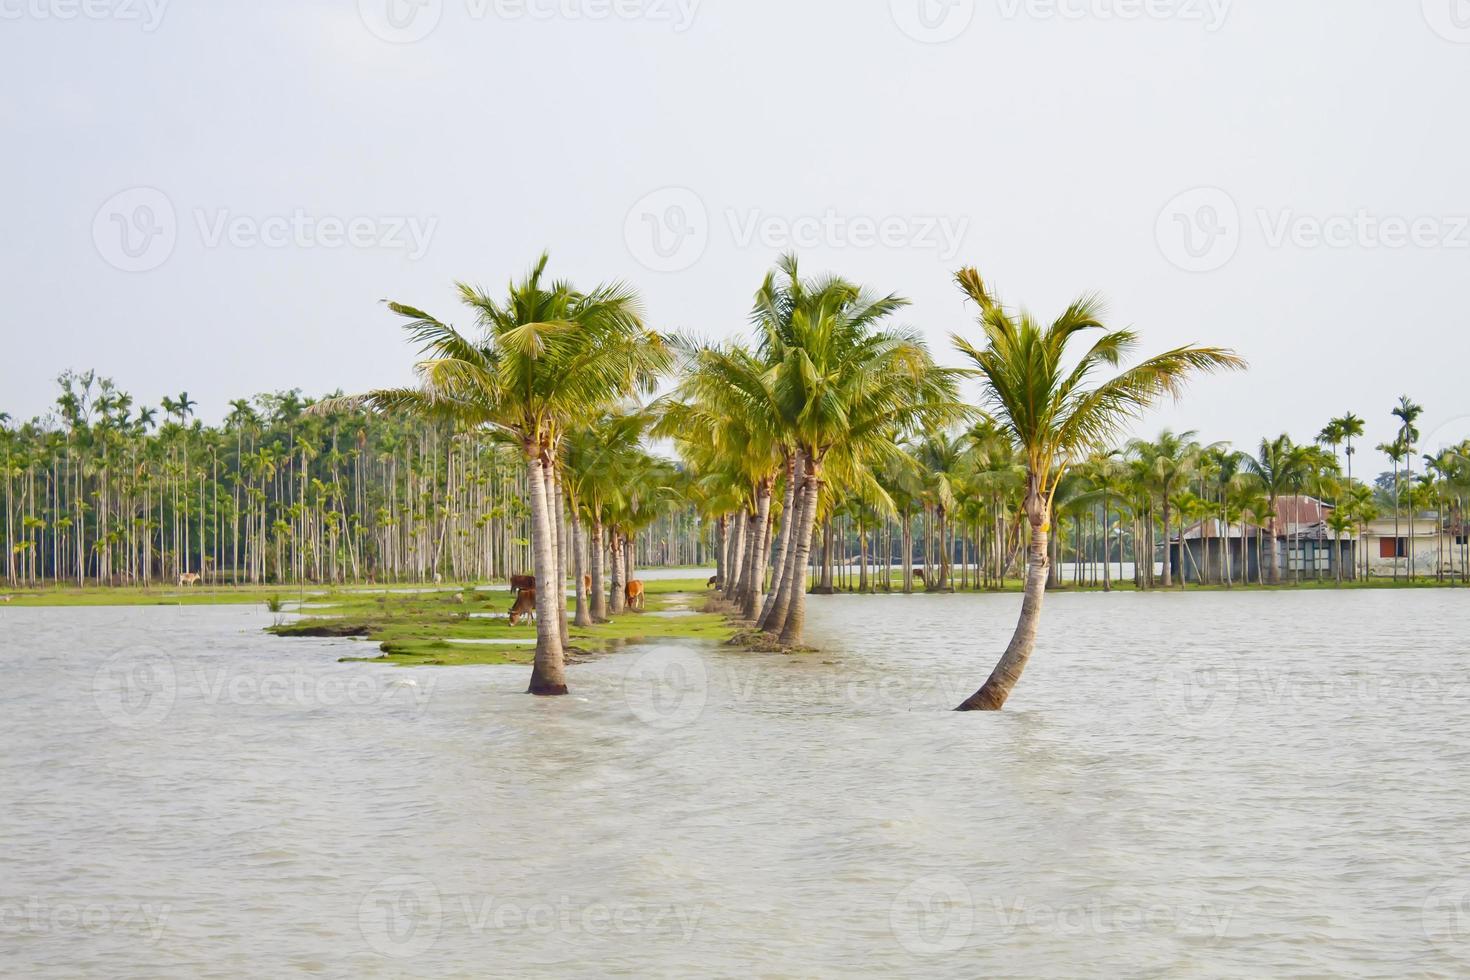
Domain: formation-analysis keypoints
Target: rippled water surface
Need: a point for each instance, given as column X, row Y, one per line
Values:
column 1183, row 785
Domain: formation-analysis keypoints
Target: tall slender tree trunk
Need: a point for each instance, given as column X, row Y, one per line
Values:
column 793, row 578
column 752, row 592
column 548, row 675
column 794, row 471
column 791, row 632
column 997, row 688
column 617, row 598
column 579, row 556
column 735, row 566
column 599, row 593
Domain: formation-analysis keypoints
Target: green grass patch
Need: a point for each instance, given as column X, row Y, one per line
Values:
column 421, row 629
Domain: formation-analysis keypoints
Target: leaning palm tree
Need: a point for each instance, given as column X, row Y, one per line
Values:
column 547, row 353
column 1056, row 417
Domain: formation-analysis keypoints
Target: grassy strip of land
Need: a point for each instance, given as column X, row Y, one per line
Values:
column 450, row 628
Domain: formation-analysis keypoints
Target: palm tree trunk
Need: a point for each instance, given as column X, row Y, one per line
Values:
column 548, row 676
column 793, row 579
column 579, row 560
column 997, row 688
column 794, row 472
column 598, row 551
column 735, row 570
column 757, row 571
column 791, row 632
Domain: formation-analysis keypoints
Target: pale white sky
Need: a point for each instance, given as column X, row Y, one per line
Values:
column 214, row 196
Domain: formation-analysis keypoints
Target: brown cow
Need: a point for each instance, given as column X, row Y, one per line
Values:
column 587, row 583
column 519, row 582
column 524, row 607
column 633, row 593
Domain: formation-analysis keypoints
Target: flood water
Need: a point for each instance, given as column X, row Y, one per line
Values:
column 1183, row 785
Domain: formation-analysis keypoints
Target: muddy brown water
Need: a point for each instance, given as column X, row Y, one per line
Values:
column 1184, row 785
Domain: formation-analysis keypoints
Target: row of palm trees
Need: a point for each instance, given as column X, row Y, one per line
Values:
column 822, row 394
column 828, row 431
column 106, row 492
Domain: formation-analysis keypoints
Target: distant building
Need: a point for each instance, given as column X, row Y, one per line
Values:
column 1304, row 546
column 1431, row 547
column 1307, row 548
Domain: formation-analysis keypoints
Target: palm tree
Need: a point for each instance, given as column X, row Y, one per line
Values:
column 1408, row 414
column 1396, row 451
column 1280, row 467
column 1056, row 417
column 844, row 387
column 547, row 353
column 1168, row 461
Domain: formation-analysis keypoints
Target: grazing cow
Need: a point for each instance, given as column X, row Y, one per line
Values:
column 633, row 593
column 525, row 606
column 189, row 578
column 520, row 583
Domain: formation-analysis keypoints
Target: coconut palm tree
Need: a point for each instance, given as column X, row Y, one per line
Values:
column 546, row 354
column 845, row 386
column 1280, row 465
column 1168, row 461
column 1056, row 413
column 1407, row 412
